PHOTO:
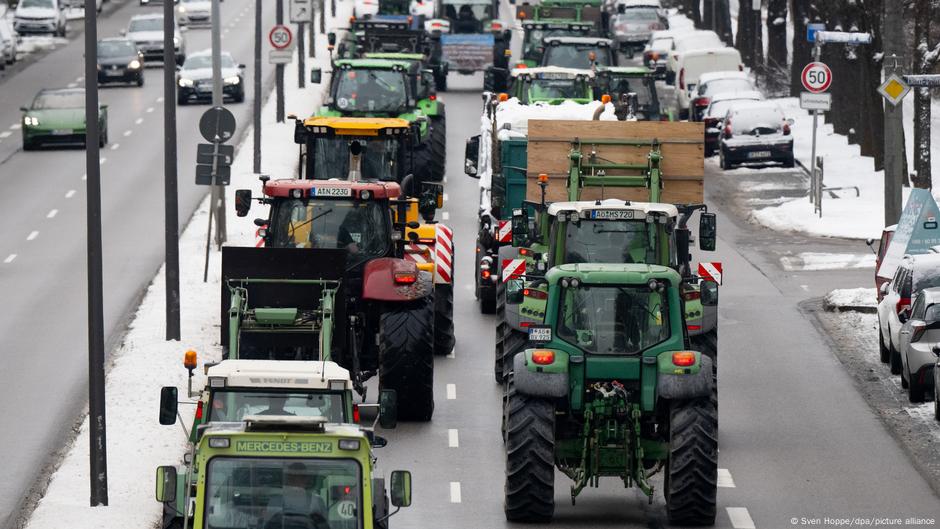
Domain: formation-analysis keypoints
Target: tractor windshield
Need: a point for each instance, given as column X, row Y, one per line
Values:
column 576, row 55
column 378, row 161
column 281, row 492
column 613, row 241
column 371, row 90
column 542, row 89
column 606, row 319
column 361, row 227
column 233, row 405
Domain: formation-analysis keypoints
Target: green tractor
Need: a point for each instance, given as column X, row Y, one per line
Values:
column 383, row 88
column 556, row 18
column 632, row 90
column 610, row 389
column 551, row 85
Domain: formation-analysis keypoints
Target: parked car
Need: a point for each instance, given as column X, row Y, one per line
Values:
column 155, row 2
column 119, row 61
column 578, row 52
column 40, row 16
column 918, row 337
column 656, row 52
column 632, row 27
column 194, row 80
column 915, row 273
column 58, row 116
column 711, row 83
column 691, row 41
column 194, row 13
column 883, row 243
column 755, row 132
column 147, row 33
column 693, row 64
column 716, row 111
column 8, row 43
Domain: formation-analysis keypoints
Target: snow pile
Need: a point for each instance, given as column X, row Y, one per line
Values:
column 33, row 44
column 856, row 299
column 517, row 116
column 137, row 443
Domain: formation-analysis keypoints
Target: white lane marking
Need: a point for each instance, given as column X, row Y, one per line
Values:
column 5, row 134
column 32, row 235
column 138, row 121
column 71, row 192
column 740, row 519
column 160, row 99
column 445, row 197
column 724, row 478
column 9, row 258
column 452, row 438
column 451, row 391
column 455, row 492
column 52, row 213
column 445, row 215
column 72, row 85
column 128, row 132
column 805, row 288
column 17, row 126
column 115, row 146
column 149, row 110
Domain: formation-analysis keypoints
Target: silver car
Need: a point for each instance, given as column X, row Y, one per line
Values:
column 632, row 27
column 147, row 33
column 919, row 334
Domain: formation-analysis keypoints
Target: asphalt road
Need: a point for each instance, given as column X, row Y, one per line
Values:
column 42, row 248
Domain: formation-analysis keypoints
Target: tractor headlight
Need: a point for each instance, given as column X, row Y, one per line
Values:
column 182, row 9
column 185, row 83
column 135, row 64
column 219, row 442
column 233, row 80
column 31, row 121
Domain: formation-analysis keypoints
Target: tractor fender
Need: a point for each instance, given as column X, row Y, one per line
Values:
column 540, row 381
column 684, row 383
column 378, row 281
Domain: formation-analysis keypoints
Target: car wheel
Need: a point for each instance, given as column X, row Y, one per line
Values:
column 180, row 100
column 29, row 145
column 725, row 163
column 140, row 80
column 936, row 400
column 883, row 353
column 894, row 359
column 789, row 162
column 915, row 390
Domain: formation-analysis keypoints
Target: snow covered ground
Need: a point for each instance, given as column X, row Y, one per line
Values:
column 137, row 444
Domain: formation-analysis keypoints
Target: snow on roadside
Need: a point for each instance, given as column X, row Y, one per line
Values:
column 854, row 299
column 144, row 362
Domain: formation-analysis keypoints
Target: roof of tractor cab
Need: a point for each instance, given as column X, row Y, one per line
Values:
column 599, row 41
column 277, row 425
column 570, row 73
column 613, row 273
column 638, row 71
column 373, row 64
column 394, row 56
column 281, row 374
column 365, row 126
column 612, row 203
column 284, row 188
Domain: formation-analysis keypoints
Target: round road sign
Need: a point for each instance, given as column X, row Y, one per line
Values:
column 217, row 124
column 280, row 37
column 816, row 77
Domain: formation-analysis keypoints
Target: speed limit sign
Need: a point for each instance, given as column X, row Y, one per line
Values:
column 281, row 38
column 816, row 77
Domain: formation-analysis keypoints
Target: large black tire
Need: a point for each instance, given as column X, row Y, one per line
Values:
column 691, row 479
column 444, row 339
column 936, row 402
column 423, row 163
column 440, row 82
column 501, row 329
column 883, row 353
column 894, row 359
column 406, row 357
column 915, row 390
column 438, row 148
column 707, row 344
column 530, row 458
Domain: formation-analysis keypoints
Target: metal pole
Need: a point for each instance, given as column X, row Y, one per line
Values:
column 98, row 453
column 894, row 147
column 333, row 8
column 817, row 50
column 322, row 9
column 256, row 103
column 170, row 194
column 280, row 69
column 301, row 56
column 217, row 101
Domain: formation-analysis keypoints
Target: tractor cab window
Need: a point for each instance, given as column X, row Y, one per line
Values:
column 557, row 88
column 282, row 493
column 360, row 227
column 378, row 161
column 467, row 16
column 641, row 86
column 233, row 405
column 604, row 319
column 612, row 241
column 376, row 90
column 576, row 55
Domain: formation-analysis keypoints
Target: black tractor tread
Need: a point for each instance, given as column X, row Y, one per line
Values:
column 406, row 357
column 487, row 302
column 501, row 328
column 530, row 458
column 444, row 339
column 692, row 469
column 423, row 164
column 438, row 148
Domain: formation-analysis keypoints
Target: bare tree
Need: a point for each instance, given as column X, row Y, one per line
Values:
column 749, row 40
column 925, row 59
column 803, row 13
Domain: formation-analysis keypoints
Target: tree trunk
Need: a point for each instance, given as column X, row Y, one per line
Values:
column 749, row 38
column 872, row 112
column 803, row 13
column 922, row 95
column 724, row 23
column 690, row 8
column 777, row 34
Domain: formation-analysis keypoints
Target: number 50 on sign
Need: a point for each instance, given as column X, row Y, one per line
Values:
column 816, row 77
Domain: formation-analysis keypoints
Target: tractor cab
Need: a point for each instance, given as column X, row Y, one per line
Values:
column 551, row 85
column 534, row 31
column 426, row 82
column 366, row 149
column 633, row 91
column 578, row 52
column 371, row 87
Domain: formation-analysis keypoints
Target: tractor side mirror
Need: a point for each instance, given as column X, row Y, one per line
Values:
column 621, row 9
column 884, row 288
column 169, row 403
column 514, row 289
column 331, row 38
column 401, row 488
column 242, row 202
column 520, row 226
column 471, row 157
column 707, row 231
column 709, row 293
column 166, row 484
column 388, row 409
column 316, row 75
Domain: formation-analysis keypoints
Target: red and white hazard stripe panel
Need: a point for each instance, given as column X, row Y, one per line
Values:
column 710, row 272
column 444, row 255
column 418, row 253
column 513, row 269
column 504, row 231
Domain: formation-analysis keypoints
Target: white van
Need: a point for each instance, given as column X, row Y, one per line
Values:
column 691, row 41
column 693, row 64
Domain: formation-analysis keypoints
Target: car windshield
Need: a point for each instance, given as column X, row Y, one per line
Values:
column 116, row 48
column 378, row 161
column 604, row 319
column 69, row 99
column 757, row 121
column 282, row 493
column 37, row 3
column 371, row 90
column 233, row 405
column 611, row 241
column 639, row 14
column 718, row 86
column 196, row 62
column 558, row 88
column 360, row 227
column 576, row 55
column 145, row 24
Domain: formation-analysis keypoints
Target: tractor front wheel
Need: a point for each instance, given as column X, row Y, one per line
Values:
column 691, row 478
column 444, row 339
column 423, row 163
column 530, row 458
column 406, row 357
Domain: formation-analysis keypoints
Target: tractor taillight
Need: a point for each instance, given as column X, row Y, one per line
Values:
column 356, row 415
column 485, row 274
column 683, row 358
column 534, row 294
column 690, row 295
column 405, row 278
column 199, row 411
column 543, row 357
column 694, row 327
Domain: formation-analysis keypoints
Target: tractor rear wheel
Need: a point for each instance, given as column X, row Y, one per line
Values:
column 438, row 148
column 501, row 329
column 406, row 357
column 422, row 165
column 707, row 344
column 530, row 458
column 443, row 319
column 691, row 477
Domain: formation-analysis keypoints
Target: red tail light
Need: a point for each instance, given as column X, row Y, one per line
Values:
column 432, row 97
column 534, row 294
column 917, row 331
column 683, row 358
column 543, row 357
column 701, row 101
column 727, row 130
column 903, row 303
column 405, row 278
column 485, row 274
column 690, row 295
column 199, row 411
column 694, row 327
column 523, row 251
column 682, row 79
column 786, row 128
column 356, row 416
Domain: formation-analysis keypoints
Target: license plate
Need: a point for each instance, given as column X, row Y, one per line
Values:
column 62, row 132
column 332, row 192
column 113, row 73
column 758, row 154
column 613, row 214
column 540, row 334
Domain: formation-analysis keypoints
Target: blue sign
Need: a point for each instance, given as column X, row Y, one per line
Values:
column 811, row 30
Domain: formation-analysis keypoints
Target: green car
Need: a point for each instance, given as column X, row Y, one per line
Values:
column 58, row 116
